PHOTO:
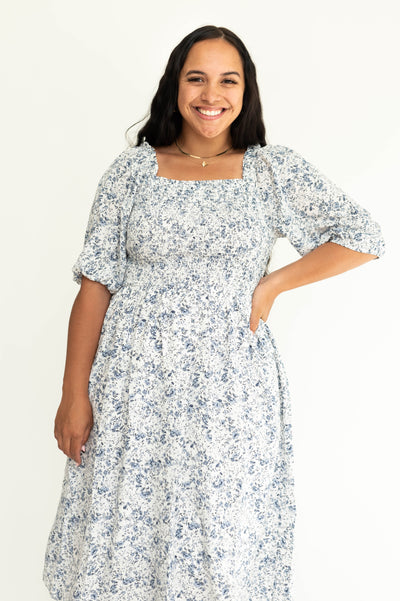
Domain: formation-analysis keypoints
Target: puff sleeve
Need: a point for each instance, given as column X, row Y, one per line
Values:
column 311, row 209
column 103, row 257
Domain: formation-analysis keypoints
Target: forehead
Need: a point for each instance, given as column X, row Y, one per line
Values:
column 214, row 54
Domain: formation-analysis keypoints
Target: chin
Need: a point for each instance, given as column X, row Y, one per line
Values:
column 213, row 133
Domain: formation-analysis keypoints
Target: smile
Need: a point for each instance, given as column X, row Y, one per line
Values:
column 209, row 114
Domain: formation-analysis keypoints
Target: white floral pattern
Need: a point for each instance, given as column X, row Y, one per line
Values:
column 186, row 489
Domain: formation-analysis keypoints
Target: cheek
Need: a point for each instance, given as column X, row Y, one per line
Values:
column 184, row 101
column 238, row 102
column 185, row 94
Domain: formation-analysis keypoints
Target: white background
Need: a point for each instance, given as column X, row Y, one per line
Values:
column 75, row 76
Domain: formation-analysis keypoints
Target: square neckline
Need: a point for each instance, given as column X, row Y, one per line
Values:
column 196, row 181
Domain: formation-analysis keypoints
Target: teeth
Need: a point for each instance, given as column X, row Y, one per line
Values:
column 210, row 113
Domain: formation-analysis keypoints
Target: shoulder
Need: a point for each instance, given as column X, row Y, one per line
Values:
column 282, row 162
column 276, row 154
column 131, row 156
column 129, row 163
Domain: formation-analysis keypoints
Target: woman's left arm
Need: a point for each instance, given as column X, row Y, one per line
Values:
column 323, row 262
column 330, row 230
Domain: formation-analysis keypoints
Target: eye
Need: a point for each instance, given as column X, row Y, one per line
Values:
column 196, row 79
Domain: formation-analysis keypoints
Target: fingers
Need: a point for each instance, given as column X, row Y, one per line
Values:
column 254, row 321
column 256, row 314
column 72, row 446
column 75, row 450
column 72, row 426
column 256, row 309
column 261, row 303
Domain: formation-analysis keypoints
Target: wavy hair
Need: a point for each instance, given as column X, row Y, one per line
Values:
column 164, row 122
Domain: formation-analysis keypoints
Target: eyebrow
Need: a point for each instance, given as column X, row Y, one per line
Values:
column 202, row 73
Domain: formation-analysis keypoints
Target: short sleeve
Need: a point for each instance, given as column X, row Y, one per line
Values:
column 103, row 257
column 312, row 210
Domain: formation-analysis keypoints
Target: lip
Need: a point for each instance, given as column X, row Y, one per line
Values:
column 209, row 117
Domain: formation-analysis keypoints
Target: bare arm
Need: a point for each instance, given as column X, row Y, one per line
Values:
column 74, row 418
column 323, row 262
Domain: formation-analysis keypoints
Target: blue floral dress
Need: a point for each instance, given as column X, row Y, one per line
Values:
column 186, row 489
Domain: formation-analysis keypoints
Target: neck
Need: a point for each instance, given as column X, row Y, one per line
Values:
column 203, row 147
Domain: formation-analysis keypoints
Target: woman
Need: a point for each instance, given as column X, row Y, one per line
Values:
column 175, row 413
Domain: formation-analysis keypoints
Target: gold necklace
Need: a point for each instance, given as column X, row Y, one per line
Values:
column 204, row 163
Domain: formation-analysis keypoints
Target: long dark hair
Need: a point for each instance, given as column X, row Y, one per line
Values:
column 165, row 122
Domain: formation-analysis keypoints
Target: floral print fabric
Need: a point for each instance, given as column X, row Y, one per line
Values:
column 186, row 488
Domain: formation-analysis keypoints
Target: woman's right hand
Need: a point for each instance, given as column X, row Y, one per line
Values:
column 72, row 424
column 74, row 419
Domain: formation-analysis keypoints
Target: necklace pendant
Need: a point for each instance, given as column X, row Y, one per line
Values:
column 204, row 164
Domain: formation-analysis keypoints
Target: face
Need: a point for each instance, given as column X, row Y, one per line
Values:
column 211, row 87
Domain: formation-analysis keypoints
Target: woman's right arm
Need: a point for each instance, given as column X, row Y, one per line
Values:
column 74, row 418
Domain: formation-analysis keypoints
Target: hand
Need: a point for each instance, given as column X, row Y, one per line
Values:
column 263, row 298
column 72, row 424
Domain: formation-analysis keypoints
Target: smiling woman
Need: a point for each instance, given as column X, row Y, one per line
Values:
column 208, row 101
column 176, row 413
column 211, row 101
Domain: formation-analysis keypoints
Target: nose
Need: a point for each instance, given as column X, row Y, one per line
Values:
column 210, row 93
